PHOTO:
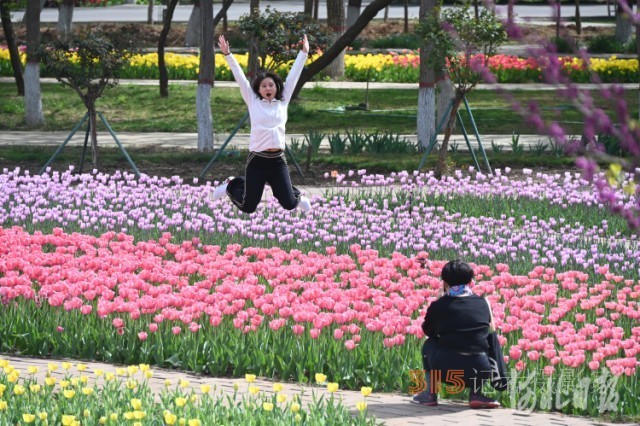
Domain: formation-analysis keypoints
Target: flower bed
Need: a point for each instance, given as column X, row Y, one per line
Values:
column 102, row 397
column 153, row 271
column 385, row 67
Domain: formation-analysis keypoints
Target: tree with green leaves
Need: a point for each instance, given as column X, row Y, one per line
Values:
column 277, row 34
column 88, row 65
column 461, row 46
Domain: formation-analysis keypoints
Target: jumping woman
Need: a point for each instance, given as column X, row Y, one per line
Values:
column 267, row 98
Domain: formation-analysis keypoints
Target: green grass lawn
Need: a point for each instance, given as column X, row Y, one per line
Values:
column 130, row 108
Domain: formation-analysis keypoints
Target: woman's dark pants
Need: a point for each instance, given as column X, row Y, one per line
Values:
column 261, row 168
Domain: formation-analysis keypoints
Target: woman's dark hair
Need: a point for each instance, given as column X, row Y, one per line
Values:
column 276, row 79
column 457, row 272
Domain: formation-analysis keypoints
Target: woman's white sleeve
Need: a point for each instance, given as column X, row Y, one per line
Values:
column 294, row 75
column 241, row 79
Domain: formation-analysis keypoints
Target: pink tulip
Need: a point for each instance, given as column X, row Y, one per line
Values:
column 153, row 327
column 350, row 345
column 176, row 330
column 142, row 336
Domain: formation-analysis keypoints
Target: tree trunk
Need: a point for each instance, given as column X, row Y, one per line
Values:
column 476, row 12
column 205, row 79
column 406, row 16
column 336, row 21
column 578, row 18
column 510, row 10
column 308, row 8
column 623, row 26
column 638, row 49
column 386, row 15
column 150, row 12
column 33, row 96
column 192, row 37
column 334, row 50
column 162, row 41
column 441, row 167
column 93, row 121
column 558, row 18
column 316, row 6
column 14, row 54
column 445, row 93
column 426, row 121
column 65, row 18
column 353, row 11
column 252, row 65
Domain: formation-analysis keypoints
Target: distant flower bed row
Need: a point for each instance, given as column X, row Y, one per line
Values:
column 387, row 67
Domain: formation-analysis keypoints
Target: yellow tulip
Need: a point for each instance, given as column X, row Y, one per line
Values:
column 332, row 387
column 295, row 407
column 366, row 391
column 121, row 371
column 298, row 418
column 18, row 390
column 86, row 413
column 34, row 388
column 148, row 374
column 250, row 378
column 267, row 406
column 128, row 415
column 52, row 367
column 361, row 405
column 102, row 420
column 180, row 401
column 3, row 405
column 68, row 420
column 139, row 415
column 254, row 390
column 144, row 367
column 66, row 365
column 277, row 387
column 87, row 391
column 13, row 377
column 113, row 417
column 170, row 419
column 321, row 378
column 136, row 403
column 132, row 369
column 132, row 384
column 184, row 383
column 43, row 415
column 75, row 381
column 167, row 382
column 98, row 372
column 205, row 388
column 2, row 389
column 28, row 418
column 50, row 381
column 109, row 377
column 33, row 370
column 194, row 422
column 281, row 398
column 81, row 367
column 69, row 393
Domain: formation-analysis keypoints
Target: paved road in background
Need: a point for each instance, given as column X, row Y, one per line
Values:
column 138, row 13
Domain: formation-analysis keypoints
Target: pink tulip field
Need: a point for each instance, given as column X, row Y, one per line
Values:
column 152, row 270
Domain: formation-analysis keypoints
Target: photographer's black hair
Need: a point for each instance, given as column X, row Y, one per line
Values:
column 457, row 272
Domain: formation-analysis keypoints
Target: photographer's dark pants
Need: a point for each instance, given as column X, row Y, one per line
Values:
column 453, row 368
column 262, row 168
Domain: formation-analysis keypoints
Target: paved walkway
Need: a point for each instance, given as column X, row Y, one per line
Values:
column 392, row 409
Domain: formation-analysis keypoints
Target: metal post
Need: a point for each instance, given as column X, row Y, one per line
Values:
column 466, row 138
column 475, row 130
column 295, row 163
column 219, row 151
column 124, row 152
column 61, row 147
column 434, row 138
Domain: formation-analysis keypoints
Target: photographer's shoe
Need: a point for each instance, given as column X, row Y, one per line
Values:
column 477, row 400
column 426, row 398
